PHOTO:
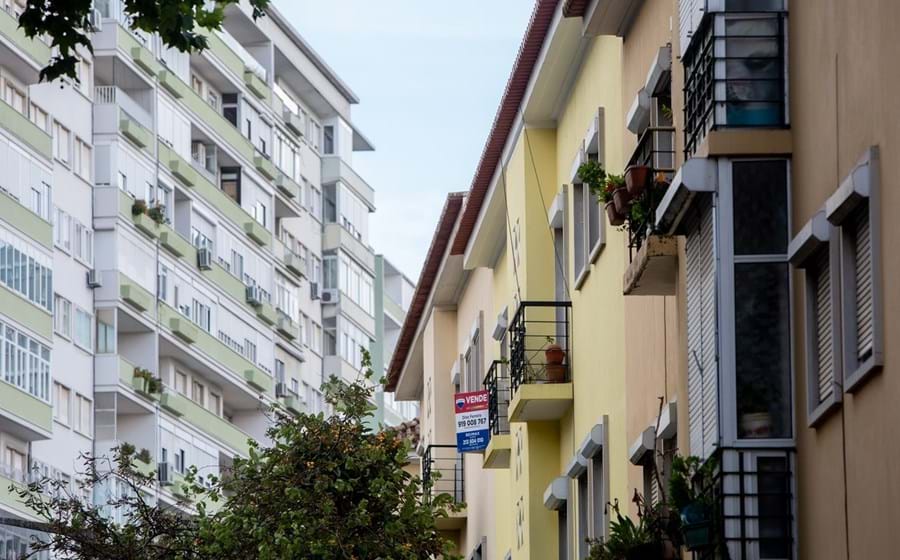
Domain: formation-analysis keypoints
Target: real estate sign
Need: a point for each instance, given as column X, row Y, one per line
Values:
column 471, row 421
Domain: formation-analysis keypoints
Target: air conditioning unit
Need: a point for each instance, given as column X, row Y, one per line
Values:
column 164, row 473
column 329, row 296
column 253, row 296
column 94, row 278
column 204, row 259
column 280, row 390
column 314, row 290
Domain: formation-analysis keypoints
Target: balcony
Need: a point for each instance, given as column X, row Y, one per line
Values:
column 215, row 349
column 291, row 260
column 134, row 295
column 743, row 90
column 338, row 237
column 23, row 414
column 753, row 504
column 336, row 169
column 25, row 221
column 257, row 232
column 14, row 39
column 286, row 327
column 498, row 451
column 23, row 129
column 173, row 242
column 10, row 480
column 287, row 186
column 443, row 472
column 540, row 361
column 207, row 422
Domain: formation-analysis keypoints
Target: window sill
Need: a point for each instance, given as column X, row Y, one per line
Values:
column 863, row 372
column 595, row 251
column 823, row 411
column 582, row 277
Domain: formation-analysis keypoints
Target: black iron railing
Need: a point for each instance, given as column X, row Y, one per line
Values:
column 497, row 384
column 753, row 505
column 734, row 72
column 443, row 472
column 656, row 151
column 536, row 330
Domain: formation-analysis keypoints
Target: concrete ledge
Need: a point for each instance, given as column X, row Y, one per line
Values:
column 498, row 452
column 540, row 401
column 654, row 269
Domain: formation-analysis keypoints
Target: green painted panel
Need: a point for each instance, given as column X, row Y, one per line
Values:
column 177, row 245
column 223, row 279
column 225, row 55
column 37, row 50
column 266, row 312
column 257, row 86
column 287, row 327
column 259, row 380
column 146, row 224
column 215, row 426
column 257, row 232
column 25, row 221
column 135, row 132
column 135, row 295
column 26, row 313
column 265, row 166
column 287, row 185
column 172, row 83
column 24, row 129
column 9, row 498
column 293, row 404
column 34, row 412
column 174, row 403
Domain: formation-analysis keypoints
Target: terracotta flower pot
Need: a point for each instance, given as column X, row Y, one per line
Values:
column 622, row 200
column 556, row 373
column 554, row 354
column 636, row 179
column 613, row 216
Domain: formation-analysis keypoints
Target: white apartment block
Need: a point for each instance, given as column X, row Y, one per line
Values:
column 194, row 218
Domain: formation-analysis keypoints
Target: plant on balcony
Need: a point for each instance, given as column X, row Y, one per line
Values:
column 648, row 539
column 690, row 493
column 616, row 199
column 139, row 207
column 157, row 213
column 554, row 357
column 151, row 385
column 637, row 178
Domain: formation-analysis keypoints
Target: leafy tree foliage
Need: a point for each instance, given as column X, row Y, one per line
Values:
column 326, row 489
column 181, row 24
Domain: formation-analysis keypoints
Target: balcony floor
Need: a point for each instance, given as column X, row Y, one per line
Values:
column 540, row 401
column 498, row 452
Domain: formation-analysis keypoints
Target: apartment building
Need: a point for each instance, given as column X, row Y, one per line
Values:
column 393, row 295
column 185, row 245
column 742, row 317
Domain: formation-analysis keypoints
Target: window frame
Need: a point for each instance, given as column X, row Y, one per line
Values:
column 860, row 186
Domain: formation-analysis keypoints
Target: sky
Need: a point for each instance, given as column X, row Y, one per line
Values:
column 429, row 75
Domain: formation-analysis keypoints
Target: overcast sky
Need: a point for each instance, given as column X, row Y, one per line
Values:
column 429, row 75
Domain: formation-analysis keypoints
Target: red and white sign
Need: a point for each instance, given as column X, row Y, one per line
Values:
column 471, row 420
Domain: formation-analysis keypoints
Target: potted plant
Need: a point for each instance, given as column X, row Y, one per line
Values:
column 157, row 214
column 627, row 540
column 756, row 420
column 690, row 486
column 615, row 184
column 637, row 177
column 554, row 356
column 138, row 207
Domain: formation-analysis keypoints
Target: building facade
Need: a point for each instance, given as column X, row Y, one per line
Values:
column 739, row 311
column 185, row 244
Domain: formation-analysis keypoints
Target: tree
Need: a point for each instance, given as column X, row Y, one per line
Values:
column 179, row 23
column 326, row 489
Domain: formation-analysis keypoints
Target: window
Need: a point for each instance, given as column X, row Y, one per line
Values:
column 106, row 331
column 473, row 362
column 62, row 144
column 854, row 209
column 62, row 316
column 83, row 415
column 587, row 232
column 162, row 282
column 26, row 270
column 61, row 405
column 279, row 371
column 181, row 383
column 197, row 392
column 315, row 202
column 231, row 183
column 762, row 328
column 14, row 95
column 214, row 404
column 62, row 230
column 18, row 464
column 84, row 77
column 83, row 329
column 179, row 461
column 40, row 117
column 295, row 386
column 202, row 315
column 250, row 350
column 82, row 159
column 83, row 239
column 260, row 213
column 328, row 139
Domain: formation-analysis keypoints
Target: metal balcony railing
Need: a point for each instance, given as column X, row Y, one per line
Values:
column 443, row 472
column 735, row 74
column 536, row 327
column 497, row 384
column 752, row 501
column 655, row 150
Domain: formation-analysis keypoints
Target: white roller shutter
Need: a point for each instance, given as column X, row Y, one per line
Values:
column 865, row 321
column 824, row 333
column 703, row 383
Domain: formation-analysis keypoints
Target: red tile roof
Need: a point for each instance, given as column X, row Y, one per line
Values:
column 529, row 51
column 433, row 261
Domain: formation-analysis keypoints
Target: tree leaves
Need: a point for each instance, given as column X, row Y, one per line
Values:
column 181, row 24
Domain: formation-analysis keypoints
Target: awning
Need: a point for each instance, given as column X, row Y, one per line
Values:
column 697, row 175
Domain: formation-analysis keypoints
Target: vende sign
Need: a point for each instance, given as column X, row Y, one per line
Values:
column 471, row 421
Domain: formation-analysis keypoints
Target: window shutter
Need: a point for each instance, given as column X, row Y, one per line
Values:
column 824, row 338
column 701, row 326
column 865, row 322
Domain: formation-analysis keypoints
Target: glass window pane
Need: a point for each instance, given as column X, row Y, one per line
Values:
column 760, row 207
column 762, row 350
